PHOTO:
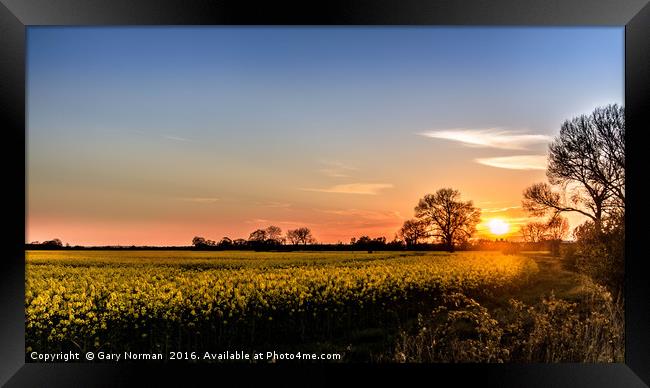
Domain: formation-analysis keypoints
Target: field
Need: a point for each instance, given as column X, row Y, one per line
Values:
column 354, row 303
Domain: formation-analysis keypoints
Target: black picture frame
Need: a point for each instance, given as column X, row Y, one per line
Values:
column 16, row 15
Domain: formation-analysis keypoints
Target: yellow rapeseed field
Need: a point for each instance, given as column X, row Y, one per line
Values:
column 78, row 297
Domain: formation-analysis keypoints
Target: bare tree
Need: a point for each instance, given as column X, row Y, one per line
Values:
column 609, row 123
column 448, row 218
column 534, row 231
column 300, row 236
column 274, row 235
column 257, row 236
column 586, row 168
column 557, row 228
column 412, row 231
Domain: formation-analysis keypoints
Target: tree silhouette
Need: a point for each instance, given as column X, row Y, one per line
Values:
column 552, row 231
column 198, row 241
column 274, row 235
column 534, row 231
column 201, row 242
column 54, row 243
column 258, row 236
column 412, row 231
column 448, row 218
column 586, row 169
column 557, row 228
column 300, row 236
column 239, row 242
column 363, row 240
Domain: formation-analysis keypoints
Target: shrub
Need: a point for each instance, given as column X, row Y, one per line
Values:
column 601, row 255
column 460, row 330
column 554, row 330
column 557, row 330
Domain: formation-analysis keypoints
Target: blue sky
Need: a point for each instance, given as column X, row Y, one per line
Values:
column 122, row 122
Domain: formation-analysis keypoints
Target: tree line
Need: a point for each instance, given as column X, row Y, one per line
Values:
column 442, row 216
column 260, row 238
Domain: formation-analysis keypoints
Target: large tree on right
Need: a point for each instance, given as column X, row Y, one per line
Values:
column 586, row 175
column 586, row 169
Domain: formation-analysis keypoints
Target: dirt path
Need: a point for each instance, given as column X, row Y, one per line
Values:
column 552, row 277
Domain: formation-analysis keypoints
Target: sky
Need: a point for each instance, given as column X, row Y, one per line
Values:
column 154, row 135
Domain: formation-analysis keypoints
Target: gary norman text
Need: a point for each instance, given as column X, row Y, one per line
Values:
column 271, row 356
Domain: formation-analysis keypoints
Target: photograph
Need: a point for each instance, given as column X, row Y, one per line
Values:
column 325, row 194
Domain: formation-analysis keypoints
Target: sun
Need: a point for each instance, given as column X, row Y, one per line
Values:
column 498, row 226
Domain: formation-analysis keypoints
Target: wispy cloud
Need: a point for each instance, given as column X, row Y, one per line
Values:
column 285, row 223
column 354, row 188
column 489, row 137
column 333, row 173
column 500, row 209
column 175, row 138
column 274, row 204
column 199, row 199
column 257, row 221
column 516, row 162
column 337, row 169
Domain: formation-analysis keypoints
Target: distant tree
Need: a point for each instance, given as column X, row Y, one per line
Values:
column 258, row 236
column 300, row 236
column 225, row 242
column 534, row 231
column 363, row 240
column 447, row 217
column 396, row 243
column 239, row 242
column 274, row 235
column 198, row 241
column 54, row 243
column 412, row 231
column 201, row 242
column 557, row 228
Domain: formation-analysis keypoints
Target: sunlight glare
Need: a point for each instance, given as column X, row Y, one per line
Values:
column 498, row 226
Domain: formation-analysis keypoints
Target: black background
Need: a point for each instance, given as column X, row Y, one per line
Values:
column 15, row 15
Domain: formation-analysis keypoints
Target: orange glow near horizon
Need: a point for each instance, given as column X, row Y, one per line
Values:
column 498, row 227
